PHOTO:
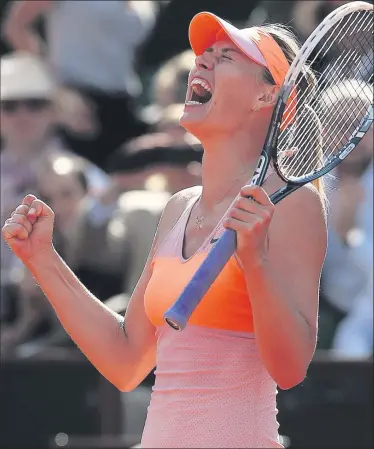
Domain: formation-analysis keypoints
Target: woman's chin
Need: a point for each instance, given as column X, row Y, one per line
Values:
column 194, row 117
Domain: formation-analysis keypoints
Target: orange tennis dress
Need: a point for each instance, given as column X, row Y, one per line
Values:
column 211, row 388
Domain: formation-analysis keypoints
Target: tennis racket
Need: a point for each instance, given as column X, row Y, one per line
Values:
column 312, row 134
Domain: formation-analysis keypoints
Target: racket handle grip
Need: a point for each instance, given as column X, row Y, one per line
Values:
column 179, row 313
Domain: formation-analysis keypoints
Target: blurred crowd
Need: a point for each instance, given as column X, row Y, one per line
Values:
column 90, row 123
column 91, row 95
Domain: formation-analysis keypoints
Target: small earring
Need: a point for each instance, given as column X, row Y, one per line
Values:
column 255, row 109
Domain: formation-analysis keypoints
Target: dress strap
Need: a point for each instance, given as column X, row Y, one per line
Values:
column 169, row 245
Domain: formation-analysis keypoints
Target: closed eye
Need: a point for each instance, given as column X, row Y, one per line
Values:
column 224, row 53
column 228, row 58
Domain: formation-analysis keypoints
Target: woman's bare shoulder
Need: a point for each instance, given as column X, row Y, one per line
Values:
column 183, row 197
column 179, row 201
column 306, row 195
column 175, row 207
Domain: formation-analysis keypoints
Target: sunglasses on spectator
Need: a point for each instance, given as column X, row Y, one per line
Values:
column 30, row 104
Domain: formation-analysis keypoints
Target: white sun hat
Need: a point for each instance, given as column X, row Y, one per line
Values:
column 24, row 76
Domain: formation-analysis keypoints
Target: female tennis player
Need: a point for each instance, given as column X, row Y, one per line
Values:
column 256, row 328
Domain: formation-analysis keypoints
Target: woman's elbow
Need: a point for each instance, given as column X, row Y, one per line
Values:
column 287, row 375
column 290, row 380
column 126, row 387
column 127, row 384
column 292, row 374
column 291, row 371
column 123, row 388
column 117, row 377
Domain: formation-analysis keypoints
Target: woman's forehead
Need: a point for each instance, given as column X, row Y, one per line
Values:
column 227, row 46
column 223, row 41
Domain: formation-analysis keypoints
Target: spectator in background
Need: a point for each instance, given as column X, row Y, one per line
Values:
column 168, row 86
column 32, row 326
column 174, row 18
column 90, row 46
column 354, row 334
column 29, row 324
column 28, row 129
column 168, row 91
column 81, row 223
column 303, row 15
column 345, row 276
column 365, row 67
column 27, row 120
column 270, row 11
column 167, row 134
column 148, row 171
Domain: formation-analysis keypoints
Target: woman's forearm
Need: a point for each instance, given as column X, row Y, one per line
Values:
column 285, row 340
column 92, row 326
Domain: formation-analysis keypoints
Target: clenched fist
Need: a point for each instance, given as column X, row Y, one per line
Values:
column 28, row 231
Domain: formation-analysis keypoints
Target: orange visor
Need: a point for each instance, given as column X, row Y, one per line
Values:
column 258, row 45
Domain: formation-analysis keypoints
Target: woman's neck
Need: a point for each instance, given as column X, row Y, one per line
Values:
column 228, row 164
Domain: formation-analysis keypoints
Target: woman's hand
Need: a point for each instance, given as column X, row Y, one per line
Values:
column 250, row 217
column 29, row 229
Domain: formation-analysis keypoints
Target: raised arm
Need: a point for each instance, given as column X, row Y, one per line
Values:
column 122, row 350
column 17, row 27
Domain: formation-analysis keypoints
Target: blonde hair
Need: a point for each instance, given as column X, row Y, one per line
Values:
column 290, row 46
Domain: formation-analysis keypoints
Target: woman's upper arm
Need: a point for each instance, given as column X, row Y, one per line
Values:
column 297, row 248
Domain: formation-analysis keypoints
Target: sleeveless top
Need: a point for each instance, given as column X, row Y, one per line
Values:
column 211, row 388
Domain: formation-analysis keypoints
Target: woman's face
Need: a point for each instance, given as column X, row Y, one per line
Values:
column 228, row 84
column 26, row 122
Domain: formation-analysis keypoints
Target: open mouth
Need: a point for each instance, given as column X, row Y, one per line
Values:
column 201, row 92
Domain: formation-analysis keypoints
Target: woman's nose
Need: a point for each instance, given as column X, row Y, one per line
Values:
column 205, row 62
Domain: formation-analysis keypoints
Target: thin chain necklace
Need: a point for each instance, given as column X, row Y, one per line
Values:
column 200, row 218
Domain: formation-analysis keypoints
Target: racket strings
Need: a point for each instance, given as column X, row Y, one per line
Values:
column 351, row 119
column 302, row 97
column 313, row 132
column 306, row 133
column 329, row 42
column 342, row 128
column 301, row 129
column 333, row 68
column 329, row 111
column 308, row 165
column 320, row 106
